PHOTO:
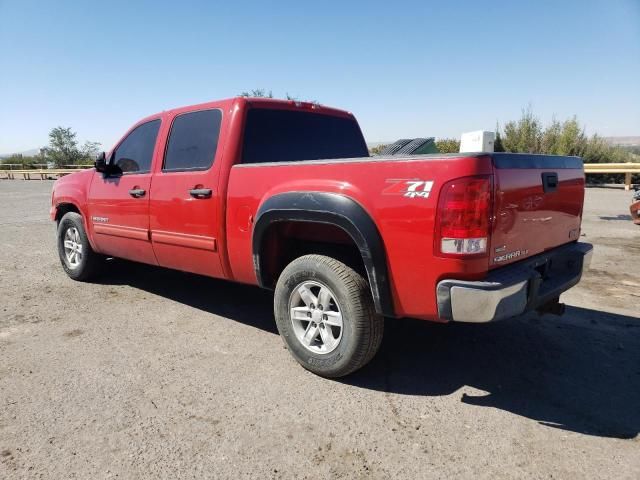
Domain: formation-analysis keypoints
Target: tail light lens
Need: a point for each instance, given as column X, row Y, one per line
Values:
column 463, row 217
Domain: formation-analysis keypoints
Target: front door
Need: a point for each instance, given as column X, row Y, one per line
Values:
column 184, row 219
column 119, row 202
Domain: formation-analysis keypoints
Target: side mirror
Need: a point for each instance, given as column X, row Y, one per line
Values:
column 101, row 162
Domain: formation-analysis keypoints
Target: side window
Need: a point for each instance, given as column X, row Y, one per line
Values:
column 135, row 152
column 193, row 141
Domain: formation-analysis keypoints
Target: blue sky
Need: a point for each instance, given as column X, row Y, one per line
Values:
column 412, row 68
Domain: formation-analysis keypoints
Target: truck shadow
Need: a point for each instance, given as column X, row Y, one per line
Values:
column 623, row 217
column 242, row 303
column 580, row 372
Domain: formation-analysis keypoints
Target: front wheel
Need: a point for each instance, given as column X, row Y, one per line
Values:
column 78, row 259
column 325, row 314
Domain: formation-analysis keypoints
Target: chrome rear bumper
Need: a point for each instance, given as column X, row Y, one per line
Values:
column 514, row 289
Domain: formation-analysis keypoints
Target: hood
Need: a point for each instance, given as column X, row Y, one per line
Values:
column 75, row 177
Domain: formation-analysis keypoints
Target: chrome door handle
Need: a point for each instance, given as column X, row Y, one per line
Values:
column 200, row 193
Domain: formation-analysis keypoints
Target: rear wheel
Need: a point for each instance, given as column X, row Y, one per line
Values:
column 326, row 316
column 78, row 259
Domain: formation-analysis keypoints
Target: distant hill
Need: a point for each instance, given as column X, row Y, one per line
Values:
column 624, row 141
column 26, row 153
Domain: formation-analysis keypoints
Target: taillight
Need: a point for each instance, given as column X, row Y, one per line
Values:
column 463, row 217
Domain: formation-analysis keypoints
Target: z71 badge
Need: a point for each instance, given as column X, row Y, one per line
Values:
column 409, row 188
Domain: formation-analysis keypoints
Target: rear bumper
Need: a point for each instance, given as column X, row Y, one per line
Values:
column 514, row 289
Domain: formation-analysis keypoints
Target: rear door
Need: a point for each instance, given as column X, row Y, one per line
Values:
column 184, row 198
column 119, row 203
column 538, row 204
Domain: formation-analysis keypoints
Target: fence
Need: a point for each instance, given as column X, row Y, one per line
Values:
column 604, row 168
column 41, row 173
column 36, row 166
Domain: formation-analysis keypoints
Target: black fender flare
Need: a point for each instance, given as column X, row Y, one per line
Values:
column 334, row 209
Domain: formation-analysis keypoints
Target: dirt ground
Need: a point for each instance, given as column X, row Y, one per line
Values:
column 159, row 374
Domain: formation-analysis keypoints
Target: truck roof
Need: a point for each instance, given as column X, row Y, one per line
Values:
column 294, row 105
column 260, row 102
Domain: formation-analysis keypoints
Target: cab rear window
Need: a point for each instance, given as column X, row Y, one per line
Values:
column 287, row 136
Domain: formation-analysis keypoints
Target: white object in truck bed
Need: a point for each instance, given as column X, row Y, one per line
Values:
column 478, row 141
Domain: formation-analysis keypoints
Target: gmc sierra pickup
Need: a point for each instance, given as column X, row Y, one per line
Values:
column 284, row 195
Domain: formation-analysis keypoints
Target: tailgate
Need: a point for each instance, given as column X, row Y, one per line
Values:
column 537, row 205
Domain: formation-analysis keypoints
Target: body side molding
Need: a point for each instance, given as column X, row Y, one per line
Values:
column 134, row 233
column 198, row 242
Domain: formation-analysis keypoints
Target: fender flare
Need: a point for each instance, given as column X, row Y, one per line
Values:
column 83, row 213
column 337, row 210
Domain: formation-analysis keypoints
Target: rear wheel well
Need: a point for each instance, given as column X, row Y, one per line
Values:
column 63, row 209
column 285, row 241
column 317, row 221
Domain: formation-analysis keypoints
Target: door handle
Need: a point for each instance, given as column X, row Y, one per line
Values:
column 200, row 193
column 137, row 192
column 549, row 182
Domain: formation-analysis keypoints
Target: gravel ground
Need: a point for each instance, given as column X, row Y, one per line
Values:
column 159, row 374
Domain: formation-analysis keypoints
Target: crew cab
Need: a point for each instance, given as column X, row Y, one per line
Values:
column 284, row 195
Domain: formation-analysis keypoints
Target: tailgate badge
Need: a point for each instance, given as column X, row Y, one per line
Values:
column 510, row 256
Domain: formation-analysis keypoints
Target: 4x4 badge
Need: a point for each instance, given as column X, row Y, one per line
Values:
column 409, row 188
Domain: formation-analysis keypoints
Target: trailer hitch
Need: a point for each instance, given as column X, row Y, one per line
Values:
column 552, row 307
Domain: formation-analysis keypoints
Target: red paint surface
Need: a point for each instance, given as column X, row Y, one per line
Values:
column 527, row 219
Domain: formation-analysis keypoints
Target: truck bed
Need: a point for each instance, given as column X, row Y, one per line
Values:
column 406, row 222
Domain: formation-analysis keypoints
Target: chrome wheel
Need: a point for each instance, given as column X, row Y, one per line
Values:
column 316, row 317
column 72, row 247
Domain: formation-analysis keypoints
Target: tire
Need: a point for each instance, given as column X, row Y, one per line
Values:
column 317, row 342
column 86, row 263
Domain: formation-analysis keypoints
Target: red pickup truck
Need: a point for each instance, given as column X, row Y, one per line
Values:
column 284, row 195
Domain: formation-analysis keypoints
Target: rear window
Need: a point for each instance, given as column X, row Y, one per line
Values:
column 287, row 136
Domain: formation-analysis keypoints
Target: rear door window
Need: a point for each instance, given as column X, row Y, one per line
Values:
column 193, row 141
column 285, row 136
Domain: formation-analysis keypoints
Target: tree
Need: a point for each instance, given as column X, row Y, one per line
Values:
column 497, row 144
column 526, row 135
column 549, row 142
column 63, row 147
column 377, row 149
column 523, row 135
column 90, row 151
column 448, row 145
column 262, row 93
column 258, row 92
column 572, row 140
column 561, row 138
column 596, row 150
column 24, row 161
